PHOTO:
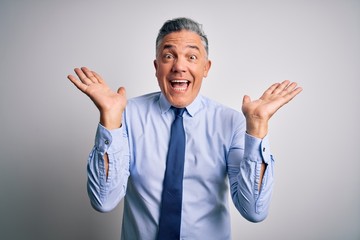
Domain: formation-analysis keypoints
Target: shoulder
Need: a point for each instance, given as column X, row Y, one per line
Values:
column 144, row 99
column 220, row 118
column 224, row 117
column 143, row 103
column 141, row 108
column 140, row 105
column 214, row 107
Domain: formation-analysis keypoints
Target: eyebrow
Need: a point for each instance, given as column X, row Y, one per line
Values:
column 169, row 46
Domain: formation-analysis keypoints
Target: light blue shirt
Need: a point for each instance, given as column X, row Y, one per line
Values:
column 219, row 156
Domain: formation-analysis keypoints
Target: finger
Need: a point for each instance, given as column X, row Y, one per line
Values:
column 295, row 92
column 89, row 74
column 98, row 77
column 270, row 90
column 121, row 91
column 83, row 78
column 246, row 99
column 292, row 94
column 288, row 89
column 281, row 87
column 80, row 85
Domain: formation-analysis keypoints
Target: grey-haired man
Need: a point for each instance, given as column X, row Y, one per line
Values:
column 224, row 149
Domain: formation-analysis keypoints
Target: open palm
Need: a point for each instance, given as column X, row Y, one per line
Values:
column 258, row 112
column 110, row 104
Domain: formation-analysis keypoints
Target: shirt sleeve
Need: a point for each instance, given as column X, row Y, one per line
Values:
column 244, row 164
column 106, row 192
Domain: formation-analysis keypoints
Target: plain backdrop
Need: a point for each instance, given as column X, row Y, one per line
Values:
column 47, row 126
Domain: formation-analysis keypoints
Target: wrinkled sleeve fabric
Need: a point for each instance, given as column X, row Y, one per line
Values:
column 106, row 192
column 244, row 165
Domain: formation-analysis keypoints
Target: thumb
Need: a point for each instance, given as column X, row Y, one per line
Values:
column 246, row 99
column 122, row 91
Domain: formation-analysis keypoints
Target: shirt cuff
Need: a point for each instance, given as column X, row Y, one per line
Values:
column 104, row 139
column 257, row 150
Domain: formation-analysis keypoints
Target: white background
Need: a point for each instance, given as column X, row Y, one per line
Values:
column 47, row 126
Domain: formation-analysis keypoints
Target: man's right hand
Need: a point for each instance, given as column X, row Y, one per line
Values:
column 110, row 104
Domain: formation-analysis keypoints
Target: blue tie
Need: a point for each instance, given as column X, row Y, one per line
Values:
column 170, row 213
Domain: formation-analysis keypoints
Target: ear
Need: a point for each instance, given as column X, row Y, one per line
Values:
column 155, row 64
column 156, row 67
column 207, row 67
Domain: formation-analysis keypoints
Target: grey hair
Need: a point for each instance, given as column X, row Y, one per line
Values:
column 178, row 24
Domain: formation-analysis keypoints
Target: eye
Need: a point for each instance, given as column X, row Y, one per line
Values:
column 168, row 56
column 193, row 57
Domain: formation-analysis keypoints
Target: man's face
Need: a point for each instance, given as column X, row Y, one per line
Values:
column 181, row 64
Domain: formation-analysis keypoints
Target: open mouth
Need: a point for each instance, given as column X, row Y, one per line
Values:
column 179, row 85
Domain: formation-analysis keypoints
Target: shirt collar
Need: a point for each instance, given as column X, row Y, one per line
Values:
column 191, row 109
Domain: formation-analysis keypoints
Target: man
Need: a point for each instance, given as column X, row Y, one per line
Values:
column 223, row 147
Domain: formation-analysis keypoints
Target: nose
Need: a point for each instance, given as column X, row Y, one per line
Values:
column 179, row 65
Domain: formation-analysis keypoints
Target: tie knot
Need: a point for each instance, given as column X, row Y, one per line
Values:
column 179, row 111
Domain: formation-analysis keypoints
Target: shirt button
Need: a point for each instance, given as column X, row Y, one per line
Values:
column 264, row 149
column 107, row 142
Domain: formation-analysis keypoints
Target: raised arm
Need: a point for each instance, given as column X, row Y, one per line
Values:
column 110, row 153
column 111, row 104
column 259, row 112
column 251, row 185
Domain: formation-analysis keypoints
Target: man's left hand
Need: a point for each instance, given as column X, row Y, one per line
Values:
column 258, row 112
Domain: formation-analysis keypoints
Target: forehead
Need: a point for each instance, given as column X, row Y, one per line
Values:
column 182, row 39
